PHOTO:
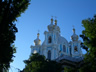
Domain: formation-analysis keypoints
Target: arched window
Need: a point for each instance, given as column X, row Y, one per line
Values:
column 64, row 48
column 75, row 49
column 49, row 39
column 49, row 55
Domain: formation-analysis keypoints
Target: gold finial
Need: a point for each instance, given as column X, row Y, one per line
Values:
column 55, row 20
column 73, row 29
column 38, row 33
column 52, row 20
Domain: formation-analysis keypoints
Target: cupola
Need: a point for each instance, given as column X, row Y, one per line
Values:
column 37, row 41
column 74, row 37
column 50, row 27
column 56, row 28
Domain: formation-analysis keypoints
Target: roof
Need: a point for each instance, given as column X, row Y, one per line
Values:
column 69, row 58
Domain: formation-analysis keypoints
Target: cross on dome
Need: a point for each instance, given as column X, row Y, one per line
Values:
column 73, row 29
column 52, row 20
column 74, row 37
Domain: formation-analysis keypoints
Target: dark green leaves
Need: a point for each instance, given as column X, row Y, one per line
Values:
column 89, row 38
column 9, row 11
column 38, row 63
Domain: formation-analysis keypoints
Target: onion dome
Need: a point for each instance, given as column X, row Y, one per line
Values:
column 50, row 27
column 37, row 41
column 74, row 37
column 56, row 28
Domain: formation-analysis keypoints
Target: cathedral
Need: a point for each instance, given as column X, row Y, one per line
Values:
column 56, row 47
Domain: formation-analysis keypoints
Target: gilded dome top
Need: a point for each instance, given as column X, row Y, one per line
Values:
column 37, row 41
column 74, row 37
column 52, row 27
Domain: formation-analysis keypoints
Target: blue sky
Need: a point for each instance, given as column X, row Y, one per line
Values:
column 37, row 17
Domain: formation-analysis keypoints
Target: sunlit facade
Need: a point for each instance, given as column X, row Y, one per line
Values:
column 55, row 46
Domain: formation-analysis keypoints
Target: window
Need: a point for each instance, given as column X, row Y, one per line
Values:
column 49, row 55
column 64, row 48
column 75, row 49
column 49, row 39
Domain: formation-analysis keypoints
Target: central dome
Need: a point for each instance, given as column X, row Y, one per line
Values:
column 62, row 40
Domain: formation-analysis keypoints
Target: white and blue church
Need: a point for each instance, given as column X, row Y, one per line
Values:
column 57, row 47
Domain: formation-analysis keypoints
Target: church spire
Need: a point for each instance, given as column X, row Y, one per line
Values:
column 74, row 37
column 73, row 30
column 37, row 41
column 38, row 34
column 50, row 27
column 55, row 21
column 52, row 20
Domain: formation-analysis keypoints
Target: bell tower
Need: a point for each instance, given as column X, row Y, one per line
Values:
column 53, row 32
column 51, row 38
column 37, row 47
column 75, row 45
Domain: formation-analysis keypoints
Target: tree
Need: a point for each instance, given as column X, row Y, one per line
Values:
column 9, row 11
column 89, row 38
column 66, row 69
column 38, row 63
column 34, row 63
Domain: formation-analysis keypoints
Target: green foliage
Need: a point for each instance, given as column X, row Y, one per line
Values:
column 89, row 38
column 9, row 11
column 35, row 63
column 70, row 69
column 38, row 63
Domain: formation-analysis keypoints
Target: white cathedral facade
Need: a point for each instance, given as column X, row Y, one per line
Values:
column 55, row 46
